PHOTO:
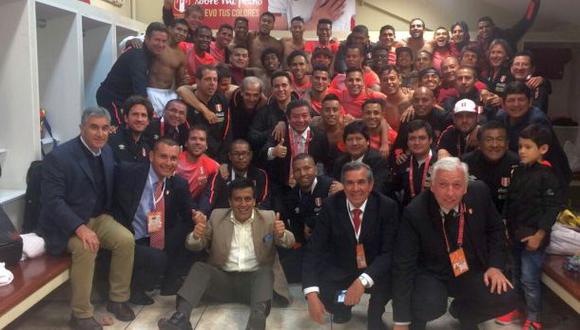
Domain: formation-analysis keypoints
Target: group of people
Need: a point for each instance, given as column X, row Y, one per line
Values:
column 226, row 166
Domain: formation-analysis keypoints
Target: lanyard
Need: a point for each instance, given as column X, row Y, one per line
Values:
column 162, row 127
column 423, row 177
column 157, row 199
column 461, row 228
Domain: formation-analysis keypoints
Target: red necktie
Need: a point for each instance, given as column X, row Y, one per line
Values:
column 356, row 220
column 157, row 239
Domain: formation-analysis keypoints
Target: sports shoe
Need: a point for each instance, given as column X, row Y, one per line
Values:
column 510, row 318
column 529, row 325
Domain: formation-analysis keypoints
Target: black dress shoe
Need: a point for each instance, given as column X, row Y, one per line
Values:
column 140, row 298
column 177, row 321
column 85, row 324
column 121, row 310
column 342, row 317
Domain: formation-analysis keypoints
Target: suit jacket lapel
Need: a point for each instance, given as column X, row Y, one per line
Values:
column 84, row 162
column 371, row 210
column 345, row 219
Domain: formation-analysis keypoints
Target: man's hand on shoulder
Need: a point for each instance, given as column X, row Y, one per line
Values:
column 88, row 237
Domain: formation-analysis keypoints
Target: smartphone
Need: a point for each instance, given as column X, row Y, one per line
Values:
column 340, row 295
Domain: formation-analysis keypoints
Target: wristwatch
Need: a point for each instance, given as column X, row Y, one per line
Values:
column 364, row 281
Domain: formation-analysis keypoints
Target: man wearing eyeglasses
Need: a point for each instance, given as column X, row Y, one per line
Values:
column 239, row 165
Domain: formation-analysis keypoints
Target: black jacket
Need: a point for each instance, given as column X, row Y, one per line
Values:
column 218, row 188
column 375, row 161
column 158, row 129
column 331, row 253
column 439, row 120
column 303, row 208
column 279, row 168
column 454, row 141
column 219, row 135
column 130, row 180
column 125, row 149
column 398, row 187
column 420, row 244
column 533, row 200
column 495, row 175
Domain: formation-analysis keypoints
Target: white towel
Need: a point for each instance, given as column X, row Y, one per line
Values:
column 32, row 246
column 6, row 276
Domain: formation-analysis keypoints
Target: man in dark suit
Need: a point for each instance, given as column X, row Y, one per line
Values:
column 350, row 250
column 357, row 142
column 77, row 187
column 239, row 165
column 299, row 138
column 451, row 243
column 137, row 200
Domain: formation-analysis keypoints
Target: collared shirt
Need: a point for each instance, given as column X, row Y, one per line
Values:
column 300, row 140
column 360, row 159
column 96, row 154
column 350, row 209
column 146, row 205
column 422, row 161
column 242, row 256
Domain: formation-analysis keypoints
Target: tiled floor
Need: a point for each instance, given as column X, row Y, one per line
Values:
column 53, row 313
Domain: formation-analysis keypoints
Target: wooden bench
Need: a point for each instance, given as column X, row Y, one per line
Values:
column 34, row 279
column 564, row 284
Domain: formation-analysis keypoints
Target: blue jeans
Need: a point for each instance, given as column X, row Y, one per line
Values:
column 527, row 273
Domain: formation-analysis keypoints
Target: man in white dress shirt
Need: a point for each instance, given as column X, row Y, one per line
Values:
column 241, row 243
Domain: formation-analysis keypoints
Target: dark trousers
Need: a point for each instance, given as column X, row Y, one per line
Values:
column 106, row 100
column 380, row 295
column 473, row 303
column 291, row 261
column 149, row 266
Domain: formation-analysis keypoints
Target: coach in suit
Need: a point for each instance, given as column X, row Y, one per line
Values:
column 357, row 142
column 136, row 199
column 77, row 186
column 454, row 220
column 241, row 243
column 351, row 250
column 299, row 138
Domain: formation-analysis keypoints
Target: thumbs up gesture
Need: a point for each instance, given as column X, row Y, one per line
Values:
column 280, row 150
column 200, row 221
column 279, row 226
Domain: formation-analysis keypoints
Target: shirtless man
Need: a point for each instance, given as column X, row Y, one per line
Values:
column 398, row 100
column 262, row 39
column 415, row 41
column 241, row 32
column 297, row 40
column 167, row 72
column 298, row 65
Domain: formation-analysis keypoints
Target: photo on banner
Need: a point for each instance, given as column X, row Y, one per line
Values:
column 219, row 11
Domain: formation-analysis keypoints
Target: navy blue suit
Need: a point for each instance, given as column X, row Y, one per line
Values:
column 69, row 192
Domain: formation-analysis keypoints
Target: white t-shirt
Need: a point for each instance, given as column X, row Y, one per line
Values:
column 304, row 8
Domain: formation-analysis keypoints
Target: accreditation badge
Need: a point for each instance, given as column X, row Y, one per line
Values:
column 458, row 262
column 154, row 222
column 361, row 259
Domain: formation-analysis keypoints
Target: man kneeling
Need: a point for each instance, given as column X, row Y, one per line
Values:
column 241, row 243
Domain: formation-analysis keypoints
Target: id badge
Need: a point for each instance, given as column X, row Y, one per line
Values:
column 361, row 260
column 458, row 262
column 154, row 221
column 340, row 295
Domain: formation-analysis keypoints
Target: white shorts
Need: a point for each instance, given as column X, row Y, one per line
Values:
column 159, row 98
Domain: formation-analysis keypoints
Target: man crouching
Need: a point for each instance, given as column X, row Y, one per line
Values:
column 241, row 244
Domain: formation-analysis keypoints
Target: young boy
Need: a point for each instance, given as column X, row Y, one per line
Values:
column 532, row 204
